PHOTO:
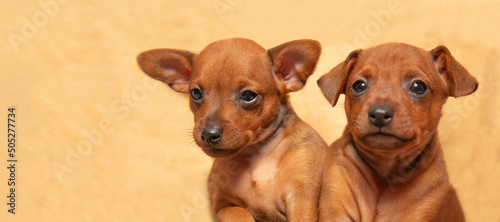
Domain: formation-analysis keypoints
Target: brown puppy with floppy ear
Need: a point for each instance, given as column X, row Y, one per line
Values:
column 388, row 165
column 268, row 162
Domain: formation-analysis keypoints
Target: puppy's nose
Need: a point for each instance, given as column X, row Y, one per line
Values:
column 211, row 135
column 380, row 115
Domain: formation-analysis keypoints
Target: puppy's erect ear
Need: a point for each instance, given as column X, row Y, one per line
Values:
column 170, row 66
column 333, row 83
column 460, row 82
column 294, row 62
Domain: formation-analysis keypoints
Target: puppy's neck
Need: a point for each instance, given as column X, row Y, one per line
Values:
column 390, row 170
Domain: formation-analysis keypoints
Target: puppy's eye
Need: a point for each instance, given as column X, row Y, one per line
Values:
column 359, row 86
column 418, row 87
column 248, row 97
column 196, row 95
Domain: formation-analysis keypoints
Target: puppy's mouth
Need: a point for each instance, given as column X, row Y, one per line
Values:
column 383, row 135
column 227, row 144
column 216, row 152
column 384, row 141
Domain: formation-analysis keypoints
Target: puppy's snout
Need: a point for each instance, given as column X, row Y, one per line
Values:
column 211, row 135
column 380, row 115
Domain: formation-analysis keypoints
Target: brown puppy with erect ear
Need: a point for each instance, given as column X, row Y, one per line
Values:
column 268, row 162
column 388, row 165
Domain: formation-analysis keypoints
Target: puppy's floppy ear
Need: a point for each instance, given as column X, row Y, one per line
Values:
column 333, row 83
column 460, row 82
column 294, row 62
column 170, row 66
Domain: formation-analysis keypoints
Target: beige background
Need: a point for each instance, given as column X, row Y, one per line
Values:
column 98, row 141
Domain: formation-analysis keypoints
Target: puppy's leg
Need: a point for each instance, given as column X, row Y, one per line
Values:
column 234, row 214
column 301, row 208
column 451, row 210
column 303, row 184
column 335, row 205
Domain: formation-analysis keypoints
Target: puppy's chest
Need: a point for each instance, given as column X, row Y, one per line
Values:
column 258, row 184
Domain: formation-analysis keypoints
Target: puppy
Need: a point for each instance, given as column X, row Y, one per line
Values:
column 268, row 162
column 388, row 165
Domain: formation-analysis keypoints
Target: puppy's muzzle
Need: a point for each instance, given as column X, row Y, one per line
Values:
column 380, row 115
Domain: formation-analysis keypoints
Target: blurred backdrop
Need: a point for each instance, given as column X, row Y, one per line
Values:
column 98, row 141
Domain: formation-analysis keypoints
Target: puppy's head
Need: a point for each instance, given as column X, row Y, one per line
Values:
column 394, row 93
column 237, row 89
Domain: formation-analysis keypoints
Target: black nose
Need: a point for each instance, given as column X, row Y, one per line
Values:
column 380, row 115
column 211, row 135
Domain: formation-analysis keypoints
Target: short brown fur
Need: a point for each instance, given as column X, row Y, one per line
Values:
column 268, row 162
column 388, row 165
